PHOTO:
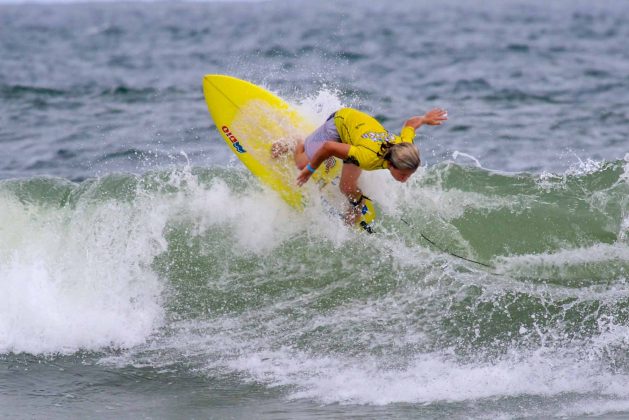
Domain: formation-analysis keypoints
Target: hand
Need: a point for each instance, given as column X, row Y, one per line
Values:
column 304, row 176
column 435, row 116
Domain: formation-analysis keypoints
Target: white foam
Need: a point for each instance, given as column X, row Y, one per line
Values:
column 261, row 220
column 317, row 108
column 78, row 278
column 250, row 346
column 456, row 154
column 584, row 167
column 565, row 258
column 623, row 233
column 625, row 173
column 430, row 378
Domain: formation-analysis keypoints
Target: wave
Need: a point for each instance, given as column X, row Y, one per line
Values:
column 120, row 91
column 16, row 91
column 207, row 265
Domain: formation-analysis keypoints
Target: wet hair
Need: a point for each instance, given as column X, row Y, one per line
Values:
column 402, row 155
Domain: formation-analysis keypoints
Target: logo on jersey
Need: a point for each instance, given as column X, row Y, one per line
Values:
column 330, row 163
column 233, row 139
column 379, row 136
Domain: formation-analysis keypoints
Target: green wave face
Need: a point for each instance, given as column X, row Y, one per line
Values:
column 208, row 266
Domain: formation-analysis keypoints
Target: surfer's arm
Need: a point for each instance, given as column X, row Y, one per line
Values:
column 435, row 116
column 328, row 149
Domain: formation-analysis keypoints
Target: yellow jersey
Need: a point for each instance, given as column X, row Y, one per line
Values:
column 365, row 136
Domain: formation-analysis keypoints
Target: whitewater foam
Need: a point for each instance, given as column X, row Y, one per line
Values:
column 429, row 378
column 81, row 276
column 78, row 278
column 591, row 263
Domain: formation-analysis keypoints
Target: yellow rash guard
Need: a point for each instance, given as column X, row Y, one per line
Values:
column 365, row 136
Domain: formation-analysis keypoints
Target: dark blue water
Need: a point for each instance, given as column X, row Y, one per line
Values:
column 145, row 273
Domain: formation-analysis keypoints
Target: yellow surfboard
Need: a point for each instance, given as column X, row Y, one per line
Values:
column 250, row 119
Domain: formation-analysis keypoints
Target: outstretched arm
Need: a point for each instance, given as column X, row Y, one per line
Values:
column 435, row 116
column 329, row 148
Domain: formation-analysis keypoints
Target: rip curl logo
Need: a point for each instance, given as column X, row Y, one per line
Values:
column 233, row 139
column 330, row 163
column 379, row 136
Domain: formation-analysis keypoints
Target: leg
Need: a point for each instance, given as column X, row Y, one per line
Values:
column 349, row 181
column 349, row 187
column 301, row 160
column 314, row 141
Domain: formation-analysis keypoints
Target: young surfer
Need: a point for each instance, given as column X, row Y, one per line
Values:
column 362, row 143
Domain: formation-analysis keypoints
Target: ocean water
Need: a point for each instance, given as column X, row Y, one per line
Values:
column 144, row 273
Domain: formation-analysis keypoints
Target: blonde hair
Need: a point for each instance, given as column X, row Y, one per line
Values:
column 403, row 156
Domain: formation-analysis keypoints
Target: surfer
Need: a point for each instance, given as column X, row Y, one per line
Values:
column 363, row 144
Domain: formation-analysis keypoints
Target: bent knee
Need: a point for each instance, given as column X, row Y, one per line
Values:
column 301, row 160
column 348, row 189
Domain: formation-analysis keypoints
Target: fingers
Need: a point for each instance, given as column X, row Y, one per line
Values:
column 303, row 177
column 436, row 116
column 438, row 113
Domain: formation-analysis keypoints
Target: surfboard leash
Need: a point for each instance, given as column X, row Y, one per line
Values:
column 447, row 251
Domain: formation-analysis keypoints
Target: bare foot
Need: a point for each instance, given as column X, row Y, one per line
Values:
column 281, row 147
